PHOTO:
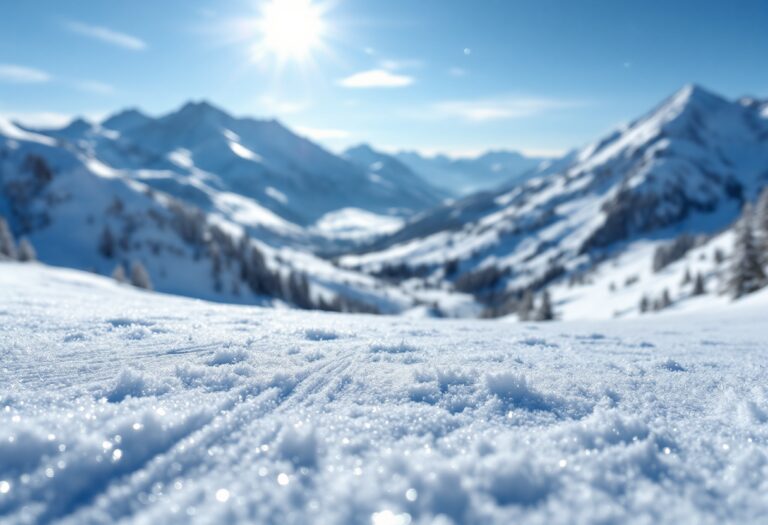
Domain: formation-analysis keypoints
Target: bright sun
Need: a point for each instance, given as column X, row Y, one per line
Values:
column 291, row 29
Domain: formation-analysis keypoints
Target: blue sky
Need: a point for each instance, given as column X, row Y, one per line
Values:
column 434, row 75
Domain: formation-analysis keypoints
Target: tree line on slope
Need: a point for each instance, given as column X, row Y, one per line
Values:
column 748, row 269
column 240, row 258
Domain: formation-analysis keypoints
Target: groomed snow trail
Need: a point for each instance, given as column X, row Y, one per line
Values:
column 123, row 406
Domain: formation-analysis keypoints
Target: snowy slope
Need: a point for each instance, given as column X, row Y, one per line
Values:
column 356, row 225
column 616, row 287
column 462, row 176
column 67, row 203
column 155, row 409
column 687, row 166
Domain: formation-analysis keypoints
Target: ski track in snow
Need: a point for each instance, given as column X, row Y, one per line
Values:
column 119, row 405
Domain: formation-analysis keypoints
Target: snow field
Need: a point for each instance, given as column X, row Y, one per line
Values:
column 120, row 405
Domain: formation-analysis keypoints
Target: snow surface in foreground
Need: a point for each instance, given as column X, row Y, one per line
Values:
column 122, row 405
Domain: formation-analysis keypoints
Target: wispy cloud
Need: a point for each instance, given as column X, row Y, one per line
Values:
column 376, row 78
column 503, row 108
column 106, row 35
column 27, row 75
column 457, row 72
column 38, row 119
column 323, row 133
column 22, row 75
column 97, row 88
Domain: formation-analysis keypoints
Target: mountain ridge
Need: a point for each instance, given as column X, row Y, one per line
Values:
column 685, row 167
column 245, row 150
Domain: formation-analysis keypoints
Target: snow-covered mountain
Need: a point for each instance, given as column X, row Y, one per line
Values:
column 388, row 169
column 463, row 176
column 686, row 167
column 237, row 210
column 82, row 213
column 256, row 172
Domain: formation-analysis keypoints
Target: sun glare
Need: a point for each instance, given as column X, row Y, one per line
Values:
column 290, row 29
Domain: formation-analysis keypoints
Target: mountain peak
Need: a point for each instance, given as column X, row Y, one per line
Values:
column 694, row 89
column 78, row 124
column 199, row 114
column 125, row 119
column 201, row 108
column 360, row 148
column 694, row 94
column 674, row 114
column 365, row 154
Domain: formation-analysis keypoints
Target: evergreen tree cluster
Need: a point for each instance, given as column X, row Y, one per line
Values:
column 400, row 272
column 672, row 252
column 663, row 301
column 524, row 304
column 750, row 250
column 22, row 252
column 699, row 286
column 481, row 279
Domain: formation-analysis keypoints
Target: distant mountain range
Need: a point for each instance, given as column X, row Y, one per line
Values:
column 464, row 176
column 244, row 210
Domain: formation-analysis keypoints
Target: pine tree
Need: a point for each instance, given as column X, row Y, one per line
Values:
column 687, row 277
column 107, row 243
column 665, row 300
column 139, row 276
column 747, row 274
column 242, row 256
column 451, row 267
column 645, row 304
column 257, row 272
column 545, row 312
column 300, row 291
column 118, row 274
column 7, row 244
column 525, row 310
column 699, row 287
column 216, row 266
column 719, row 256
column 26, row 252
column 761, row 226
